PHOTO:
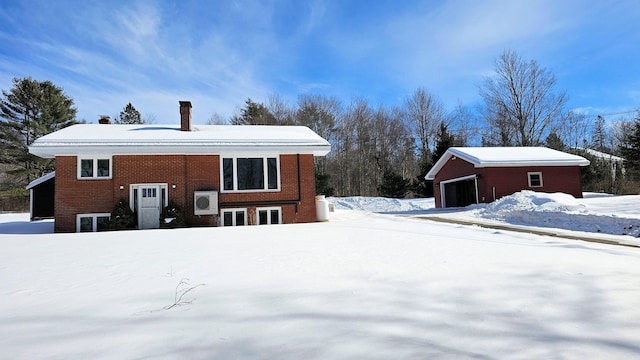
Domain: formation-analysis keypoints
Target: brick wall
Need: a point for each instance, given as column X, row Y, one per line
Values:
column 189, row 173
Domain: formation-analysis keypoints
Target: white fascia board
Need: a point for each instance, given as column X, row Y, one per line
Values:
column 438, row 165
column 51, row 151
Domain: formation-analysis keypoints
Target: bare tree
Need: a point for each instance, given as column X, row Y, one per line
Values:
column 521, row 101
column 464, row 125
column 575, row 128
column 149, row 118
column 600, row 135
column 280, row 109
column 216, row 119
column 424, row 112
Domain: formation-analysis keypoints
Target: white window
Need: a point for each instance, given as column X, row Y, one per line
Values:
column 244, row 174
column 92, row 222
column 234, row 217
column 535, row 179
column 94, row 167
column 269, row 216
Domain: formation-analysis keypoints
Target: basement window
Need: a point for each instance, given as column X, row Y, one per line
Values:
column 269, row 216
column 234, row 217
column 92, row 222
column 535, row 179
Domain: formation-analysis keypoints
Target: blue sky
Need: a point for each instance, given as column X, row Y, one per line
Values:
column 219, row 53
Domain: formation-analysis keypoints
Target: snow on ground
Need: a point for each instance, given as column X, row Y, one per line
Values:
column 363, row 285
column 596, row 213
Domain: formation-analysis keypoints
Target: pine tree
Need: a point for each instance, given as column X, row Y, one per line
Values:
column 553, row 141
column 393, row 185
column 28, row 111
column 630, row 151
column 254, row 114
column 129, row 115
column 444, row 141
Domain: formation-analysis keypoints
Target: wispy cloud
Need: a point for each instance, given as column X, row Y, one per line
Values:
column 156, row 52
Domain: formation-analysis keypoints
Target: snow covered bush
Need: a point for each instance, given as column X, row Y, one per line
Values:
column 122, row 217
column 172, row 217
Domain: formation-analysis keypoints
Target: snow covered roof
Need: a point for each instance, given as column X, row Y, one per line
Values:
column 41, row 179
column 167, row 139
column 601, row 155
column 508, row 157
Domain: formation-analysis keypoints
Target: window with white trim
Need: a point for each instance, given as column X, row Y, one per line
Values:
column 94, row 167
column 269, row 216
column 234, row 217
column 535, row 179
column 92, row 222
column 250, row 174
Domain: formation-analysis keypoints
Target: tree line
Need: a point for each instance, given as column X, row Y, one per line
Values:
column 376, row 150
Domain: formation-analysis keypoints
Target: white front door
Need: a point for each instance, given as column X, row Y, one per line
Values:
column 149, row 207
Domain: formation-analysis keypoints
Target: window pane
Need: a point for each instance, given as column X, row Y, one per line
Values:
column 535, row 180
column 275, row 217
column 86, row 224
column 135, row 199
column 250, row 174
column 273, row 173
column 103, row 167
column 227, row 218
column 86, row 168
column 101, row 222
column 227, row 166
column 262, row 217
column 239, row 218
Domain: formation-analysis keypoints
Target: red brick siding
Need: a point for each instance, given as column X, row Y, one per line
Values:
column 189, row 173
column 306, row 210
column 74, row 196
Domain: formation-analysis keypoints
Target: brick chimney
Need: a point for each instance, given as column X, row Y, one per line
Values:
column 104, row 119
column 185, row 115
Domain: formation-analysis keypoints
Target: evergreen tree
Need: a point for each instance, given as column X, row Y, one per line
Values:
column 323, row 186
column 444, row 140
column 28, row 111
column 393, row 185
column 254, row 114
column 422, row 187
column 553, row 141
column 129, row 115
column 630, row 150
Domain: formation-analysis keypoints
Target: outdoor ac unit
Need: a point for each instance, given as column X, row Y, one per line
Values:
column 205, row 202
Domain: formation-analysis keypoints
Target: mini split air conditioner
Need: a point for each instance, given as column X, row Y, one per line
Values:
column 205, row 202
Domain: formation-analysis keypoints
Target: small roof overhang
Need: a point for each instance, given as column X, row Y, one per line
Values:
column 40, row 180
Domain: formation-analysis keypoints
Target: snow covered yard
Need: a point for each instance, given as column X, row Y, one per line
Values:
column 363, row 285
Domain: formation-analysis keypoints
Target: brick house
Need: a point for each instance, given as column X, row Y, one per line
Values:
column 224, row 175
column 472, row 175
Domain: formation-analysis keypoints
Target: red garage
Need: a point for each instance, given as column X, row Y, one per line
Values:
column 471, row 175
